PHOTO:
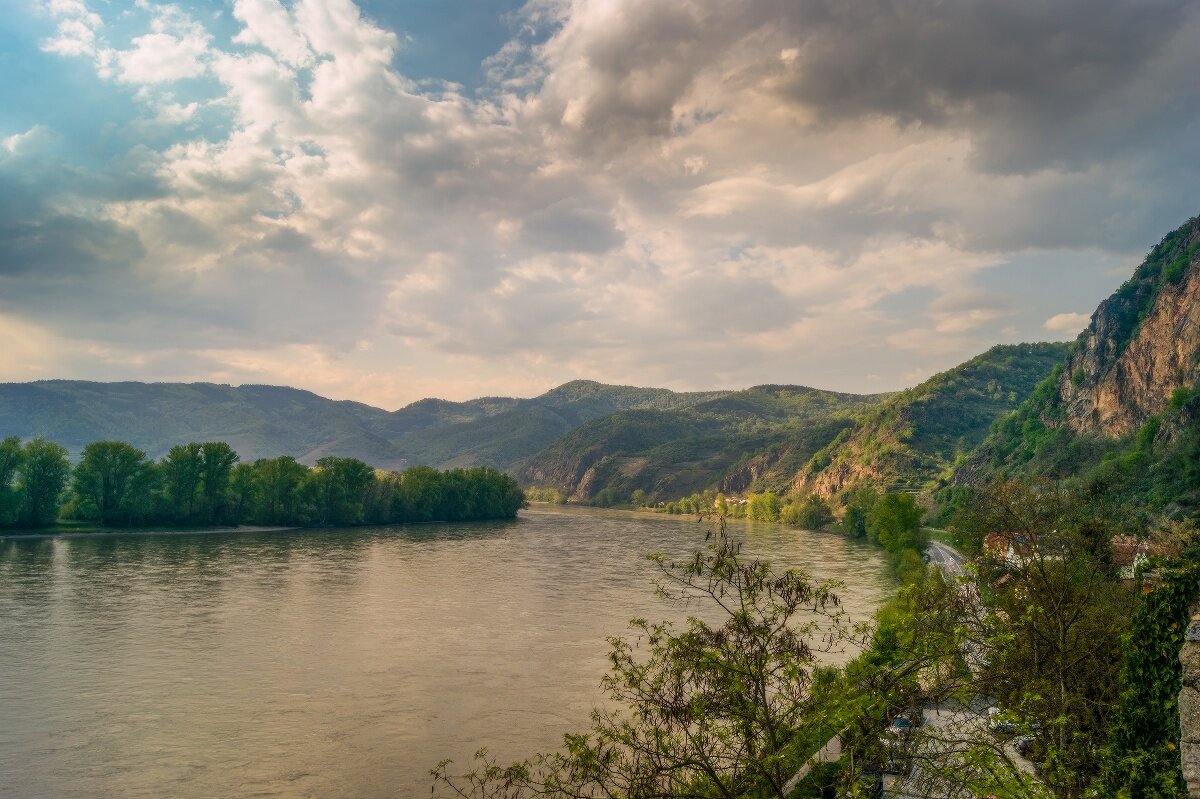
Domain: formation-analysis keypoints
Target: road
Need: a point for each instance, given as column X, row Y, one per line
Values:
column 946, row 558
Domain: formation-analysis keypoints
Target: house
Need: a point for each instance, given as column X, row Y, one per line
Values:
column 1128, row 554
column 1015, row 549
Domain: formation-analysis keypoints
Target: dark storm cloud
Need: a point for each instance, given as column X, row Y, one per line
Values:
column 1046, row 82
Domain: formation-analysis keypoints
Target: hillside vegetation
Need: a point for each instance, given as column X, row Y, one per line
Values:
column 913, row 439
column 748, row 437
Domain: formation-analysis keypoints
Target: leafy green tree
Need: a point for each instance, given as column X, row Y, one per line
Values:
column 277, row 484
column 10, row 463
column 112, row 483
column 895, row 522
column 183, row 476
column 811, row 514
column 860, row 502
column 216, row 464
column 41, row 477
column 764, row 507
column 337, row 486
column 638, row 498
column 421, row 493
column 1053, row 620
column 1142, row 759
column 242, row 492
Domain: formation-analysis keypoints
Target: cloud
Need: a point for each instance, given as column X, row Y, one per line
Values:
column 669, row 193
column 1067, row 322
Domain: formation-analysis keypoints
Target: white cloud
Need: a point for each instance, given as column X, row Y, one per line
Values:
column 640, row 191
column 1067, row 322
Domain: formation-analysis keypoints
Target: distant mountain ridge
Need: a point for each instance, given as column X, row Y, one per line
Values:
column 672, row 452
column 266, row 421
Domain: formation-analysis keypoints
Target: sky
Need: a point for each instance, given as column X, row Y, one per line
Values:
column 384, row 201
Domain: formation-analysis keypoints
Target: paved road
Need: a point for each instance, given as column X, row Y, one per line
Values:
column 946, row 558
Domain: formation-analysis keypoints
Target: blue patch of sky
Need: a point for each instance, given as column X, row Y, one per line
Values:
column 1050, row 283
column 446, row 40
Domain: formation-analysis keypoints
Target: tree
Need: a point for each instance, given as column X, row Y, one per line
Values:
column 112, row 482
column 638, row 498
column 242, row 491
column 277, row 482
column 183, row 475
column 1053, row 619
column 764, row 507
column 216, row 463
column 723, row 709
column 895, row 522
column 812, row 514
column 41, row 478
column 859, row 504
column 10, row 464
column 337, row 486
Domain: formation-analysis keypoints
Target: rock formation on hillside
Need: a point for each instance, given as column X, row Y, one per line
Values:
column 1143, row 343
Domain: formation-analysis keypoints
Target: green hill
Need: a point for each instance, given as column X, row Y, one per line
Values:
column 914, row 438
column 758, row 436
column 265, row 421
column 510, row 436
column 257, row 421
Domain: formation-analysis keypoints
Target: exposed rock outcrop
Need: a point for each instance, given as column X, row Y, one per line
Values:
column 1143, row 343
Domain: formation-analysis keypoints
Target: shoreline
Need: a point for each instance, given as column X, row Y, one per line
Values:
column 123, row 531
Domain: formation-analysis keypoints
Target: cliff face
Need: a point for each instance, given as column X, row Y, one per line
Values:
column 1143, row 343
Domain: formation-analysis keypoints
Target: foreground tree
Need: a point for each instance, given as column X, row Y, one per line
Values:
column 715, row 709
column 1054, row 611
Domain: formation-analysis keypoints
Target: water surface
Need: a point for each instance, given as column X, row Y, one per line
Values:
column 334, row 663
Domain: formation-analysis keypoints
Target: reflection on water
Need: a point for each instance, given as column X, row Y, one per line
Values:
column 328, row 663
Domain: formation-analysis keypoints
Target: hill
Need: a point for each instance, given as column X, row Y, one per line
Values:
column 753, row 437
column 503, row 440
column 257, row 421
column 1123, row 407
column 914, row 438
column 265, row 421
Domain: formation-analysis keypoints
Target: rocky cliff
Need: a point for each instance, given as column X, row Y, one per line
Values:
column 1143, row 343
column 1123, row 408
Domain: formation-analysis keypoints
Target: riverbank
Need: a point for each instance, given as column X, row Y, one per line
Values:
column 94, row 531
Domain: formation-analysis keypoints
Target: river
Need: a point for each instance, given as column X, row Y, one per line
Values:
column 331, row 663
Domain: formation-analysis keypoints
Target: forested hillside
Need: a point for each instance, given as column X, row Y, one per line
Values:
column 257, row 421
column 914, row 438
column 269, row 421
column 761, row 435
column 505, row 439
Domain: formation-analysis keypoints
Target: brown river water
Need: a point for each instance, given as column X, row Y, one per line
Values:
column 331, row 663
